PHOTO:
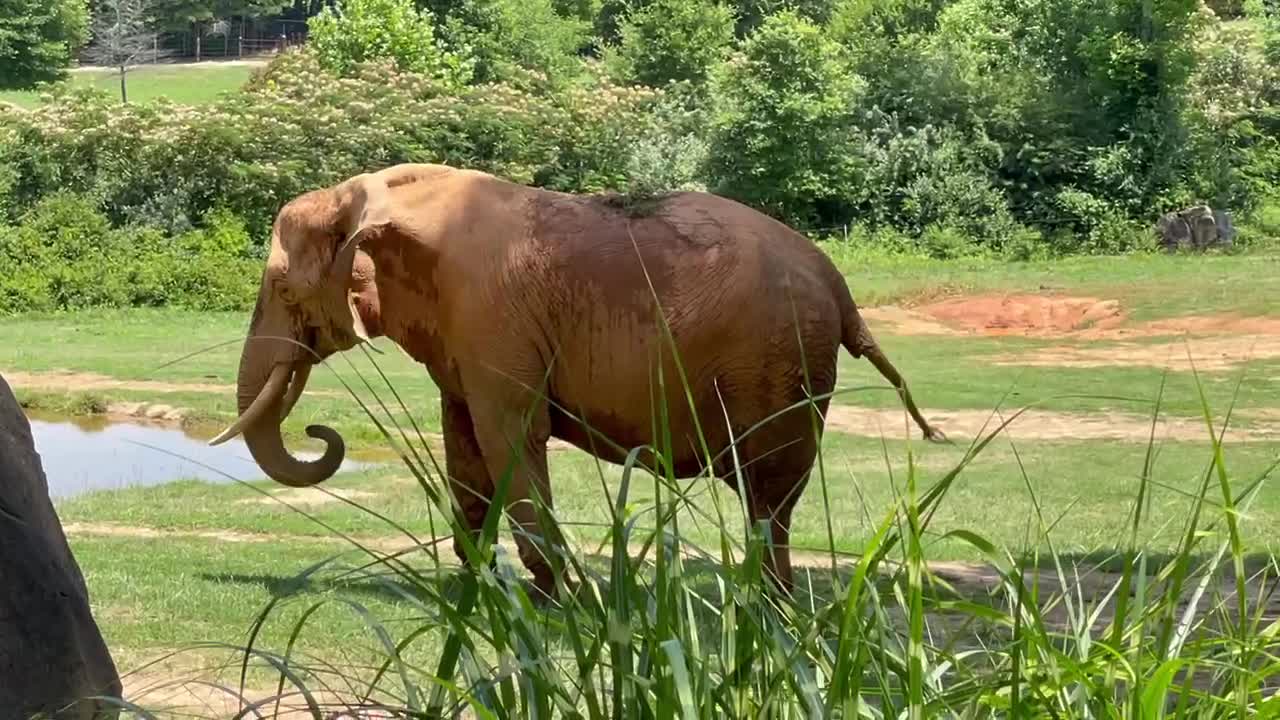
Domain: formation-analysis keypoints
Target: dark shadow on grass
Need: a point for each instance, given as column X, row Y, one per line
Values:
column 385, row 586
column 1113, row 561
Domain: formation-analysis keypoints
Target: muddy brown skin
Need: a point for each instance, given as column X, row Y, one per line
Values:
column 519, row 300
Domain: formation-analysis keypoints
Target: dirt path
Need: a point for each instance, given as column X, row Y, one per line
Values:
column 72, row 381
column 1041, row 425
column 69, row 381
column 1204, row 354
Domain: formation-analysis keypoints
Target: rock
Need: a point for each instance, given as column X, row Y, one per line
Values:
column 1195, row 228
column 1226, row 228
column 52, row 655
column 1175, row 232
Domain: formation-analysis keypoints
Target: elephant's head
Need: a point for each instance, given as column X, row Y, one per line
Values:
column 317, row 298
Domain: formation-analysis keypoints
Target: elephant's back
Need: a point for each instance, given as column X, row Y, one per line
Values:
column 732, row 284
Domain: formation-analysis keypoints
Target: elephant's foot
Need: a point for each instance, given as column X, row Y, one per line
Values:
column 543, row 588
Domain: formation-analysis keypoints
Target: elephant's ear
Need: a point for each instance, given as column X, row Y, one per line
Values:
column 367, row 203
column 366, row 200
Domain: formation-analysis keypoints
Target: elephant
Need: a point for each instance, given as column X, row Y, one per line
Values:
column 543, row 314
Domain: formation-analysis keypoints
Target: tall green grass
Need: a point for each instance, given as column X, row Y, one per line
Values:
column 661, row 627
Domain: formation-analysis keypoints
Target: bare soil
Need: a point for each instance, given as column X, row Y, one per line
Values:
column 1210, row 343
column 68, row 381
column 1207, row 354
column 177, row 692
column 905, row 321
column 380, row 543
column 102, row 529
column 1036, row 425
column 1055, row 316
column 1026, row 315
column 308, row 497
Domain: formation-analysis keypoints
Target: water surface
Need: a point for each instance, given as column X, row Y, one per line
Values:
column 84, row 454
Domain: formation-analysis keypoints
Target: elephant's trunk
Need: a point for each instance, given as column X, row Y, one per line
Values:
column 261, row 400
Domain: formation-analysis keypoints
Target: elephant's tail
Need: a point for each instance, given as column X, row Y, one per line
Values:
column 857, row 339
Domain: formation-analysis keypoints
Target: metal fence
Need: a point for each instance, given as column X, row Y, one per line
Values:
column 228, row 40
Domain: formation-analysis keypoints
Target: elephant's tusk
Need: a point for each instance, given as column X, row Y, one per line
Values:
column 270, row 392
column 296, row 386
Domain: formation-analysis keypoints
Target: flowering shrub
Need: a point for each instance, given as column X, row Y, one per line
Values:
column 297, row 127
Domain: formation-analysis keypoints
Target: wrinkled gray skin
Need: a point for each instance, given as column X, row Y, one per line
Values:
column 52, row 656
column 501, row 290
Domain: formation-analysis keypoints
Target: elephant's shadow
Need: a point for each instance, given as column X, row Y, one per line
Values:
column 713, row 584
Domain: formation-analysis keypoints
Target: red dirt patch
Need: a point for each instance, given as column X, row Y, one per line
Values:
column 1026, row 314
column 1030, row 315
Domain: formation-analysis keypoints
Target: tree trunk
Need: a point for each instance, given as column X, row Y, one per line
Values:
column 124, row 95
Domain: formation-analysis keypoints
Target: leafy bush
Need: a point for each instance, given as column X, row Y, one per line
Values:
column 1025, row 128
column 930, row 177
column 298, row 127
column 355, row 31
column 1233, row 119
column 782, row 126
column 64, row 255
column 511, row 38
column 672, row 40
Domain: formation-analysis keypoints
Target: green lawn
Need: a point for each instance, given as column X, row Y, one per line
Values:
column 947, row 373
column 209, row 556
column 187, row 83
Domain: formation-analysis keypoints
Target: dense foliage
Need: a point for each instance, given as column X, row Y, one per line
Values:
column 37, row 39
column 670, row 40
column 1004, row 127
column 65, row 255
column 353, row 31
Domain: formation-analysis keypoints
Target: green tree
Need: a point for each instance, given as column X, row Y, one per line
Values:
column 751, row 13
column 670, row 40
column 37, row 39
column 509, row 38
column 782, row 127
column 355, row 31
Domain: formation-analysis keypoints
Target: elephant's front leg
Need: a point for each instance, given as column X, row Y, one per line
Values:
column 469, row 480
column 514, row 444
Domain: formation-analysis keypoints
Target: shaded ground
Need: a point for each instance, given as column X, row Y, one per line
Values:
column 206, row 682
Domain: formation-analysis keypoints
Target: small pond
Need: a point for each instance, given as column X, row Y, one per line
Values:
column 84, row 454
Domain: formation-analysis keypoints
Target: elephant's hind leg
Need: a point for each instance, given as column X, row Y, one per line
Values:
column 776, row 465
